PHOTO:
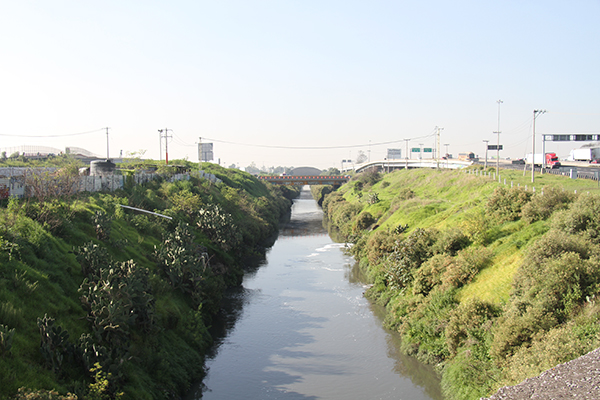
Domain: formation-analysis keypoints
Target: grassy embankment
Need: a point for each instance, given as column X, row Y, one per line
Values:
column 98, row 300
column 490, row 283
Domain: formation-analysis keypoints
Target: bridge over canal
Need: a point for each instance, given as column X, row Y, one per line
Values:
column 301, row 180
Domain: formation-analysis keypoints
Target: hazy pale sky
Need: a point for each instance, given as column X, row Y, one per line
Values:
column 317, row 81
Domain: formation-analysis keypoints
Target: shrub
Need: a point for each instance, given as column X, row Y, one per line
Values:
column 366, row 179
column 119, row 299
column 553, row 247
column 363, row 221
column 468, row 323
column 430, row 273
column 186, row 266
column 6, row 339
column 544, row 203
column 477, row 226
column 373, row 198
column 54, row 343
column 408, row 255
column 92, row 258
column 506, row 204
column 465, row 266
column 516, row 327
column 451, row 241
column 582, row 218
column 379, row 244
column 41, row 394
column 423, row 330
column 545, row 295
column 218, row 226
column 548, row 349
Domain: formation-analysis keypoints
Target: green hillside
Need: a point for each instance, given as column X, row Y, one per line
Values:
column 105, row 302
column 490, row 282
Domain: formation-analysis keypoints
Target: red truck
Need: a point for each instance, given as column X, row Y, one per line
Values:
column 551, row 160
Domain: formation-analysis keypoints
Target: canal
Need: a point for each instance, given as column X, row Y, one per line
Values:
column 299, row 328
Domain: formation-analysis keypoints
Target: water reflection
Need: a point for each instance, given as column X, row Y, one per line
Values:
column 299, row 328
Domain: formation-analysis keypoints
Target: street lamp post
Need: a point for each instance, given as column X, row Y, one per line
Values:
column 486, row 149
column 498, row 143
column 446, row 155
column 535, row 115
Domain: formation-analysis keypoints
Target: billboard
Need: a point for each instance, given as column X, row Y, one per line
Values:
column 394, row 154
column 205, row 152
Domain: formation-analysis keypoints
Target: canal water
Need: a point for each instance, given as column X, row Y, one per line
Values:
column 299, row 328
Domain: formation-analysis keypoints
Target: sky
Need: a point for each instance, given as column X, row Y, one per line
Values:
column 298, row 82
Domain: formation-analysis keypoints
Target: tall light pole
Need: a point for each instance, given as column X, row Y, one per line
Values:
column 498, row 143
column 406, row 155
column 535, row 115
column 446, row 155
column 439, row 147
column 486, row 149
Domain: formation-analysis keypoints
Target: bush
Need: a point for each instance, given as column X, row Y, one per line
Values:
column 408, row 255
column 469, row 322
column 379, row 244
column 544, row 203
column 582, row 218
column 430, row 273
column 30, row 394
column 507, row 204
column 423, row 330
column 547, row 255
column 363, row 221
column 546, row 294
column 548, row 349
column 451, row 241
column 465, row 266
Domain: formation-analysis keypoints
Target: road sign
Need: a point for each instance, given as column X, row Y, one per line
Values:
column 206, row 151
column 415, row 150
column 494, row 147
column 428, row 150
column 571, row 138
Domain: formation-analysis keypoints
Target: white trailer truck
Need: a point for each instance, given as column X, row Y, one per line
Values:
column 588, row 154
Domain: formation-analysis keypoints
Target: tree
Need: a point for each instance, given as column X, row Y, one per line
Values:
column 361, row 157
column 252, row 168
column 331, row 171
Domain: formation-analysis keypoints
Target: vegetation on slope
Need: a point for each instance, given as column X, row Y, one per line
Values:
column 104, row 302
column 491, row 283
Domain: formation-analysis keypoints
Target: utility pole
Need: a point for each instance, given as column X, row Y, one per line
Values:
column 439, row 147
column 446, row 155
column 406, row 155
column 535, row 115
column 107, row 155
column 200, row 160
column 498, row 146
column 486, row 149
column 166, row 136
column 420, row 151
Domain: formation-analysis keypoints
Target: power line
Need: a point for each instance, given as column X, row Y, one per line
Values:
column 317, row 147
column 51, row 136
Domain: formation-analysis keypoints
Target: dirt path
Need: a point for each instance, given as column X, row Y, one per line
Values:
column 576, row 379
